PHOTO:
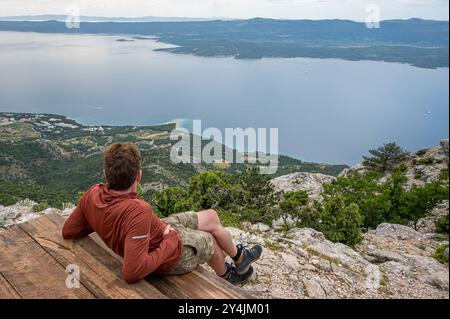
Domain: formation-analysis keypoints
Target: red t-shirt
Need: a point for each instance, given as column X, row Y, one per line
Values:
column 129, row 227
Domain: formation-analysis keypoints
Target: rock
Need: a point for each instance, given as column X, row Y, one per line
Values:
column 305, row 234
column 426, row 225
column 428, row 270
column 419, row 170
column 277, row 294
column 50, row 211
column 308, row 267
column 444, row 146
column 281, row 223
column 341, row 259
column 300, row 252
column 261, row 227
column 320, row 263
column 397, row 231
column 309, row 182
column 394, row 267
column 381, row 256
column 10, row 212
column 238, row 234
column 290, row 261
column 15, row 214
column 446, row 253
column 356, row 168
column 373, row 277
column 67, row 212
column 314, row 289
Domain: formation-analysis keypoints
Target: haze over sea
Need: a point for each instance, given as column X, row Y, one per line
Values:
column 326, row 110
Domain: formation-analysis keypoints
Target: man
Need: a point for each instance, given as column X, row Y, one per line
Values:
column 127, row 225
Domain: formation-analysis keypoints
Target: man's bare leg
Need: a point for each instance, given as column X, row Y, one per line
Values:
column 217, row 261
column 209, row 221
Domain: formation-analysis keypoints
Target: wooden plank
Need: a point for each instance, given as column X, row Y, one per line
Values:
column 31, row 270
column 237, row 292
column 199, row 284
column 99, row 272
column 7, row 291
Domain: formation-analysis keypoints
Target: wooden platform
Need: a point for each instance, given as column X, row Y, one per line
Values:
column 34, row 257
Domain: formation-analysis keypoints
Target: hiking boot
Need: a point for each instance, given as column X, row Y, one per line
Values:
column 247, row 257
column 233, row 277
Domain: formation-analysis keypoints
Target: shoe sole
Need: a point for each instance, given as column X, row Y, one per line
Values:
column 246, row 279
column 246, row 268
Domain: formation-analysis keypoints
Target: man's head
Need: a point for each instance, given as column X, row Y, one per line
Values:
column 122, row 165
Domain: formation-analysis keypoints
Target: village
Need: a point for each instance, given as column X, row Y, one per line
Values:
column 45, row 123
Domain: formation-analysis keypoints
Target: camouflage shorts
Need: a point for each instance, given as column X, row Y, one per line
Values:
column 198, row 245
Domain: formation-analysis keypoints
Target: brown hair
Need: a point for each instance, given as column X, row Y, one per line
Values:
column 122, row 162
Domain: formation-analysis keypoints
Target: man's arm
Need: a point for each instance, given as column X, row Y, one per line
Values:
column 76, row 226
column 138, row 262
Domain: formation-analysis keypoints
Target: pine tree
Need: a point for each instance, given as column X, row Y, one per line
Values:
column 384, row 158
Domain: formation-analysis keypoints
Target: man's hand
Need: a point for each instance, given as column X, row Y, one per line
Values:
column 167, row 230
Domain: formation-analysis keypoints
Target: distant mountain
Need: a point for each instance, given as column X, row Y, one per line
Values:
column 422, row 43
column 62, row 17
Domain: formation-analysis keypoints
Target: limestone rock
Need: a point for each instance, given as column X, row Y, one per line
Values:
column 426, row 225
column 309, row 182
column 314, row 289
column 16, row 214
column 281, row 223
column 355, row 168
column 260, row 227
column 290, row 261
column 428, row 270
column 423, row 166
column 381, row 256
column 444, row 146
column 396, row 231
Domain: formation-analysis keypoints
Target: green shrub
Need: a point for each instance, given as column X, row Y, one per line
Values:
column 440, row 256
column 249, row 196
column 13, row 192
column 210, row 189
column 387, row 201
column 256, row 194
column 419, row 201
column 444, row 174
column 79, row 195
column 229, row 219
column 139, row 191
column 418, row 175
column 40, row 207
column 426, row 161
column 442, row 225
column 294, row 205
column 341, row 223
column 171, row 200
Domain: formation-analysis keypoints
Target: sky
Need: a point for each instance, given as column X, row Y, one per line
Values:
column 288, row 9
